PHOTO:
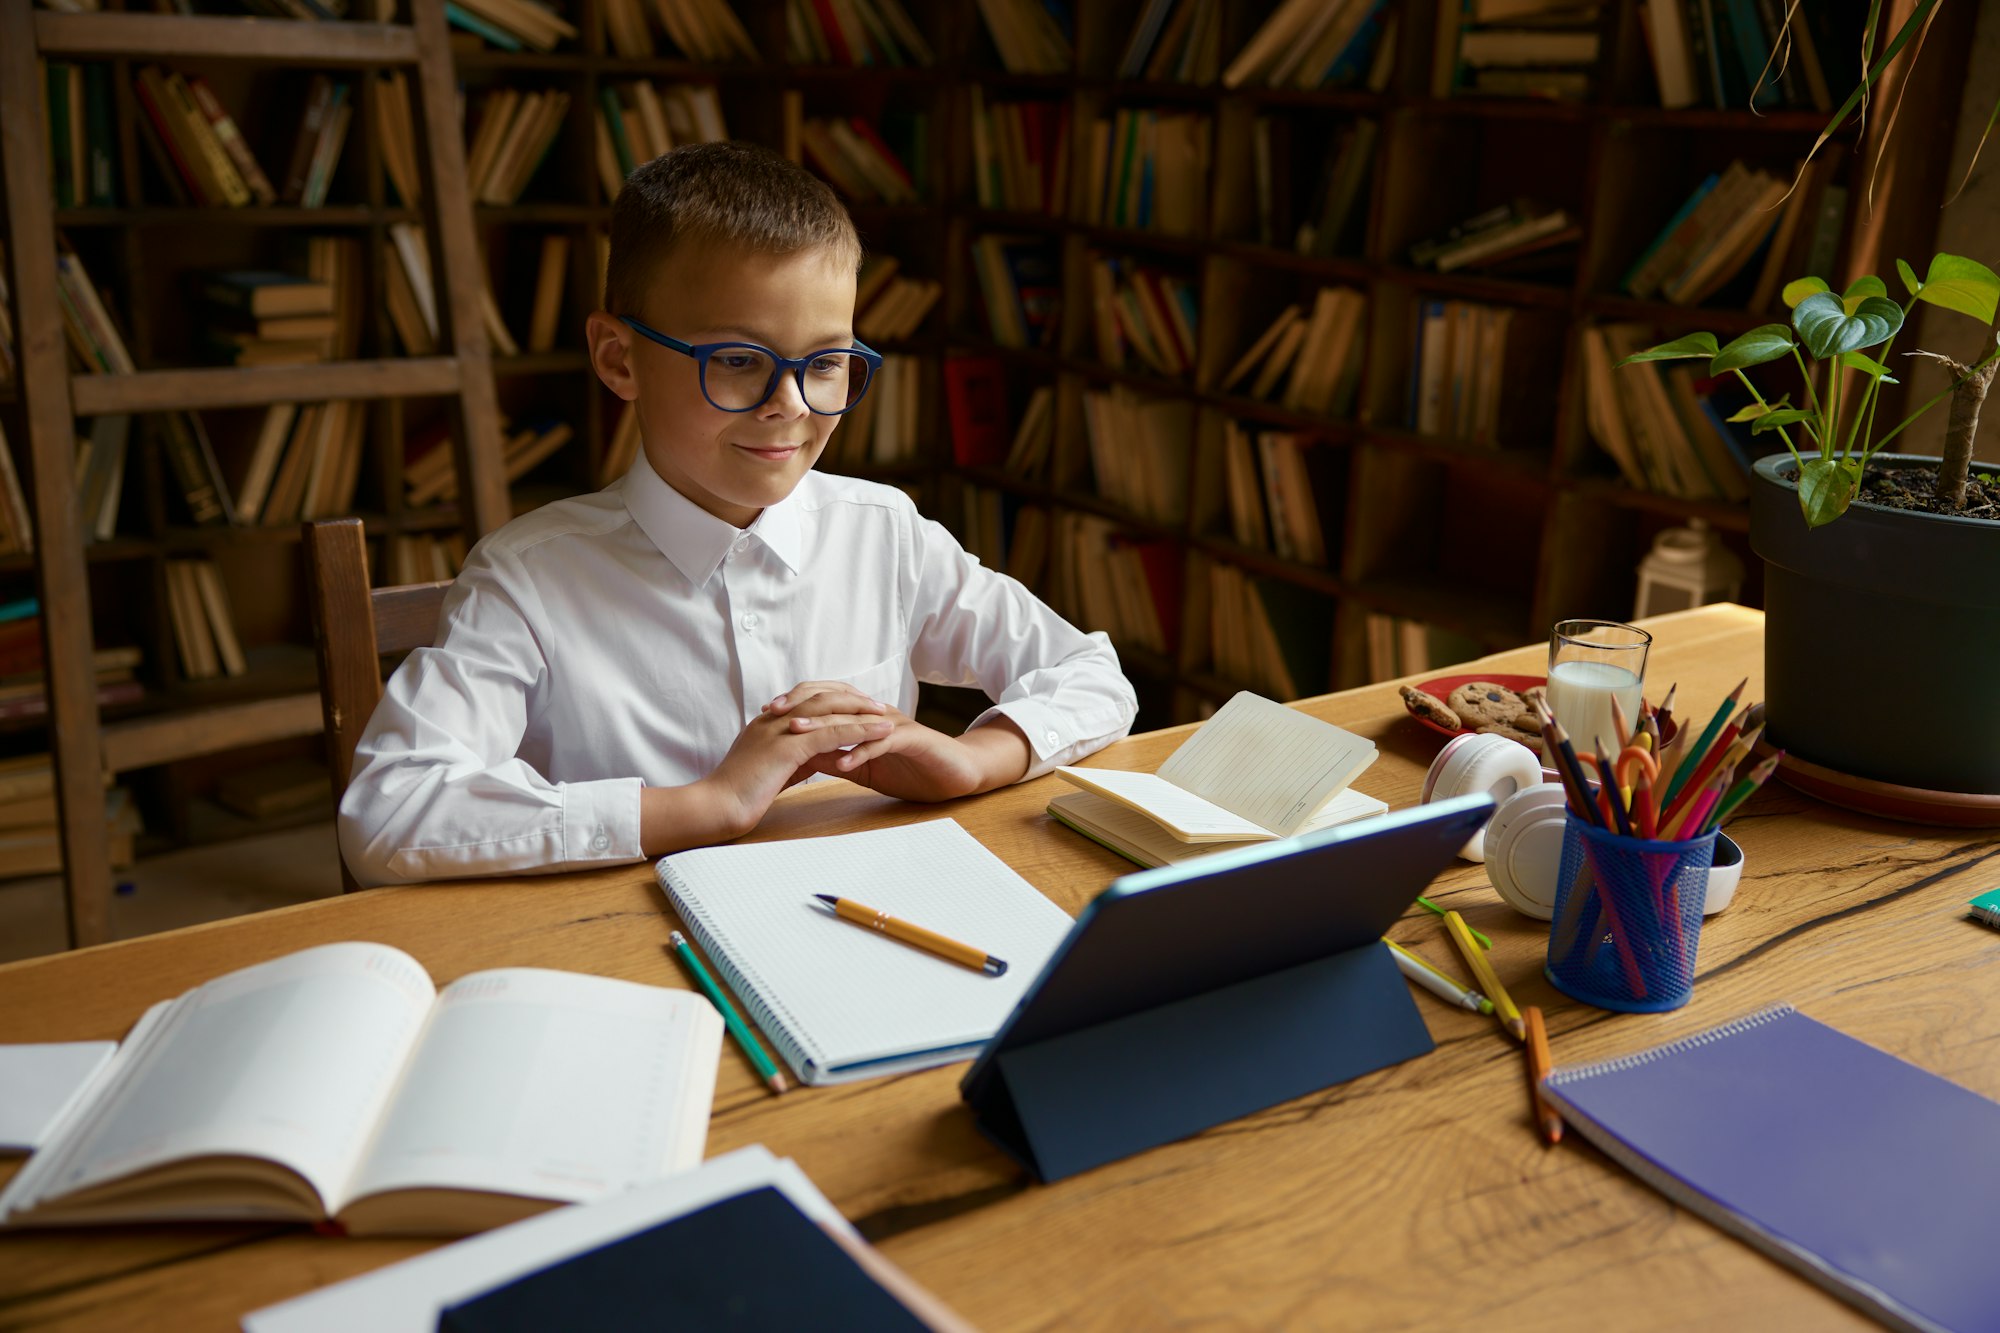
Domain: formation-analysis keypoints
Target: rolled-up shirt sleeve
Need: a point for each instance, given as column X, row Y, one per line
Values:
column 438, row 790
column 974, row 626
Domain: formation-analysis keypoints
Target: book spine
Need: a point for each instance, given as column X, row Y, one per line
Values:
column 776, row 1022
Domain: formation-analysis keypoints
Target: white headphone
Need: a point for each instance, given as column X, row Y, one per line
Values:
column 1522, row 843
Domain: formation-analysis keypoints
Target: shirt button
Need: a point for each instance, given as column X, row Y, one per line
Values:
column 602, row 842
column 1051, row 737
column 737, row 547
column 751, row 620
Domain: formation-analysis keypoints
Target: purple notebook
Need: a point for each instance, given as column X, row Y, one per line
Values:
column 1872, row 1177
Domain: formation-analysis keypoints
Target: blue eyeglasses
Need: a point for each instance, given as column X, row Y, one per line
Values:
column 741, row 377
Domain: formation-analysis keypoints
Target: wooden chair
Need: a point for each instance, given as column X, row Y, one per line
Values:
column 354, row 627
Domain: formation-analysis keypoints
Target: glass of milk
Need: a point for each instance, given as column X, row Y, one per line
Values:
column 1591, row 663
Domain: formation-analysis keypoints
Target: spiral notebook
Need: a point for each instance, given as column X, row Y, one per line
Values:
column 841, row 1002
column 1873, row 1178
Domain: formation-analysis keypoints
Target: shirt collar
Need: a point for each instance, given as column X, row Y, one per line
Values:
column 693, row 539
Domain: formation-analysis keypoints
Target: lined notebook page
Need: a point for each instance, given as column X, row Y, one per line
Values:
column 834, row 995
column 1270, row 764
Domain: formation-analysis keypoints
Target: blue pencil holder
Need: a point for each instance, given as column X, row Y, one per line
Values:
column 1627, row 921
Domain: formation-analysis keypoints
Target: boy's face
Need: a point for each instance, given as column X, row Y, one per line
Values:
column 732, row 464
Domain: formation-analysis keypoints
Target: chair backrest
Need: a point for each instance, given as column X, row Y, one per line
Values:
column 354, row 626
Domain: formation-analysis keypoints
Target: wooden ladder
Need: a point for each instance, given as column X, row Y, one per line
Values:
column 53, row 398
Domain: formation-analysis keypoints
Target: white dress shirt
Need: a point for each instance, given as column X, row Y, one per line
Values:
column 626, row 638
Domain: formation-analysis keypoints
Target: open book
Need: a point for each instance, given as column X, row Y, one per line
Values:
column 339, row 1083
column 1256, row 770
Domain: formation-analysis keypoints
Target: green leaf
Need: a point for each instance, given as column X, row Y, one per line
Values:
column 1964, row 285
column 1825, row 487
column 1829, row 328
column 1755, row 410
column 1766, row 342
column 1909, row 276
column 1861, row 289
column 1695, row 344
column 1783, row 416
column 1798, row 289
column 1868, row 366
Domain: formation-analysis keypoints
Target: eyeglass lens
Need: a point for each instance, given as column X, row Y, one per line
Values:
column 739, row 378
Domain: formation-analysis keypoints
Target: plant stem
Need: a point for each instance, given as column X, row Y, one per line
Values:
column 1761, row 403
column 1955, row 460
column 1937, row 398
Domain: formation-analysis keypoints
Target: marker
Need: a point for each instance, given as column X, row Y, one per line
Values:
column 1436, row 982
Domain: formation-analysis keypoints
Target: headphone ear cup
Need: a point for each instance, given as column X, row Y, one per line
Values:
column 1524, row 843
column 1473, row 764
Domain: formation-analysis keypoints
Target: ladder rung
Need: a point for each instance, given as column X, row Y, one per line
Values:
column 174, row 36
column 258, row 386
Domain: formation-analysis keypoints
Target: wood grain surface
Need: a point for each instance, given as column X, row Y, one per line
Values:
column 1415, row 1197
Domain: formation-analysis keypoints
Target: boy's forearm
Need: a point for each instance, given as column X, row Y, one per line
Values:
column 672, row 819
column 1002, row 751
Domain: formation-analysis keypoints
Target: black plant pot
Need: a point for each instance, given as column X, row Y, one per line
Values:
column 1881, row 637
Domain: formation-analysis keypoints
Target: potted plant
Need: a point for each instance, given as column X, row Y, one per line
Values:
column 1898, row 602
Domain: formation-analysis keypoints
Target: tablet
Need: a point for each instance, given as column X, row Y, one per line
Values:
column 1285, row 930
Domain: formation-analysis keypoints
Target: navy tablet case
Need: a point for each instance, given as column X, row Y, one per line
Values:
column 1194, row 994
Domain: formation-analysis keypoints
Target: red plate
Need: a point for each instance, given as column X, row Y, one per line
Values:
column 1442, row 687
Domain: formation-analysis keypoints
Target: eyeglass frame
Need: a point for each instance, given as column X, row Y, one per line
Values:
column 701, row 352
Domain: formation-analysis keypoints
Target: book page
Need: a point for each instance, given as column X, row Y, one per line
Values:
column 549, row 1085
column 1138, row 838
column 1274, row 766
column 834, row 996
column 291, row 1060
column 1181, row 814
column 37, row 1081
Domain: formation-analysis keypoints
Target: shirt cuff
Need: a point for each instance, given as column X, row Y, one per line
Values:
column 1050, row 736
column 601, row 820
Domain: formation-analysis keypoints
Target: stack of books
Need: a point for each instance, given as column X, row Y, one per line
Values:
column 1149, row 170
column 889, row 305
column 1319, row 44
column 1458, row 369
column 23, row 679
column 705, row 31
column 1020, row 282
column 514, row 133
column 100, row 478
column 853, row 32
column 82, row 149
column 423, row 557
column 1517, row 48
column 430, row 474
column 514, row 24
column 885, row 426
column 204, row 631
column 1178, row 41
column 1398, row 646
column 853, row 155
column 637, row 121
column 1712, row 52
column 1730, row 219
column 1141, row 450
column 265, row 318
column 1032, row 36
column 88, row 324
column 1342, row 182
column 1268, row 635
column 1517, row 237
column 1020, row 155
column 1102, row 579
column 306, row 463
column 1666, row 428
column 408, row 293
column 1273, row 503
column 209, row 155
column 1309, row 362
column 322, row 133
column 31, row 837
column 1144, row 318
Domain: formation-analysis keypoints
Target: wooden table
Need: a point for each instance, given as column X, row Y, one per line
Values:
column 1414, row 1197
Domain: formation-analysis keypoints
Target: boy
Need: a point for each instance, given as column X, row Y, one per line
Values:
column 629, row 673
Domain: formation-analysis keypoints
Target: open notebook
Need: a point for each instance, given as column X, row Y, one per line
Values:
column 841, row 1002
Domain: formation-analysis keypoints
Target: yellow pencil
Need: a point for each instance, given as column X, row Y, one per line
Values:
column 1489, row 984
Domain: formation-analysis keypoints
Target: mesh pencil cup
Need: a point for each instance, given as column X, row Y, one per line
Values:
column 1627, row 918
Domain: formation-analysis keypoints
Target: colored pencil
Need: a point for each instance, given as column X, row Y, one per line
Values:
column 1437, row 911
column 1744, row 789
column 1539, row 1065
column 1567, row 767
column 1607, row 787
column 1620, row 723
column 731, row 1020
column 1700, row 747
column 1489, row 983
column 1693, row 811
column 1643, row 808
column 1717, row 751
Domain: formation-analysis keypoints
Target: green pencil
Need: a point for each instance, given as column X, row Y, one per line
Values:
column 730, row 1018
column 1691, row 754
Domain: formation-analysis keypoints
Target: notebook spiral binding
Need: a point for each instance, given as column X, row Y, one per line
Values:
column 777, row 1024
column 1624, row 1062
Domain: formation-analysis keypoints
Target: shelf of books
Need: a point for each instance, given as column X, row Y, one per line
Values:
column 1283, row 333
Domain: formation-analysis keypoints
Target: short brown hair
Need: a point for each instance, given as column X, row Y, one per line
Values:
column 730, row 192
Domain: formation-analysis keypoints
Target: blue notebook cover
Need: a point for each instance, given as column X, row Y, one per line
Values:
column 1873, row 1178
